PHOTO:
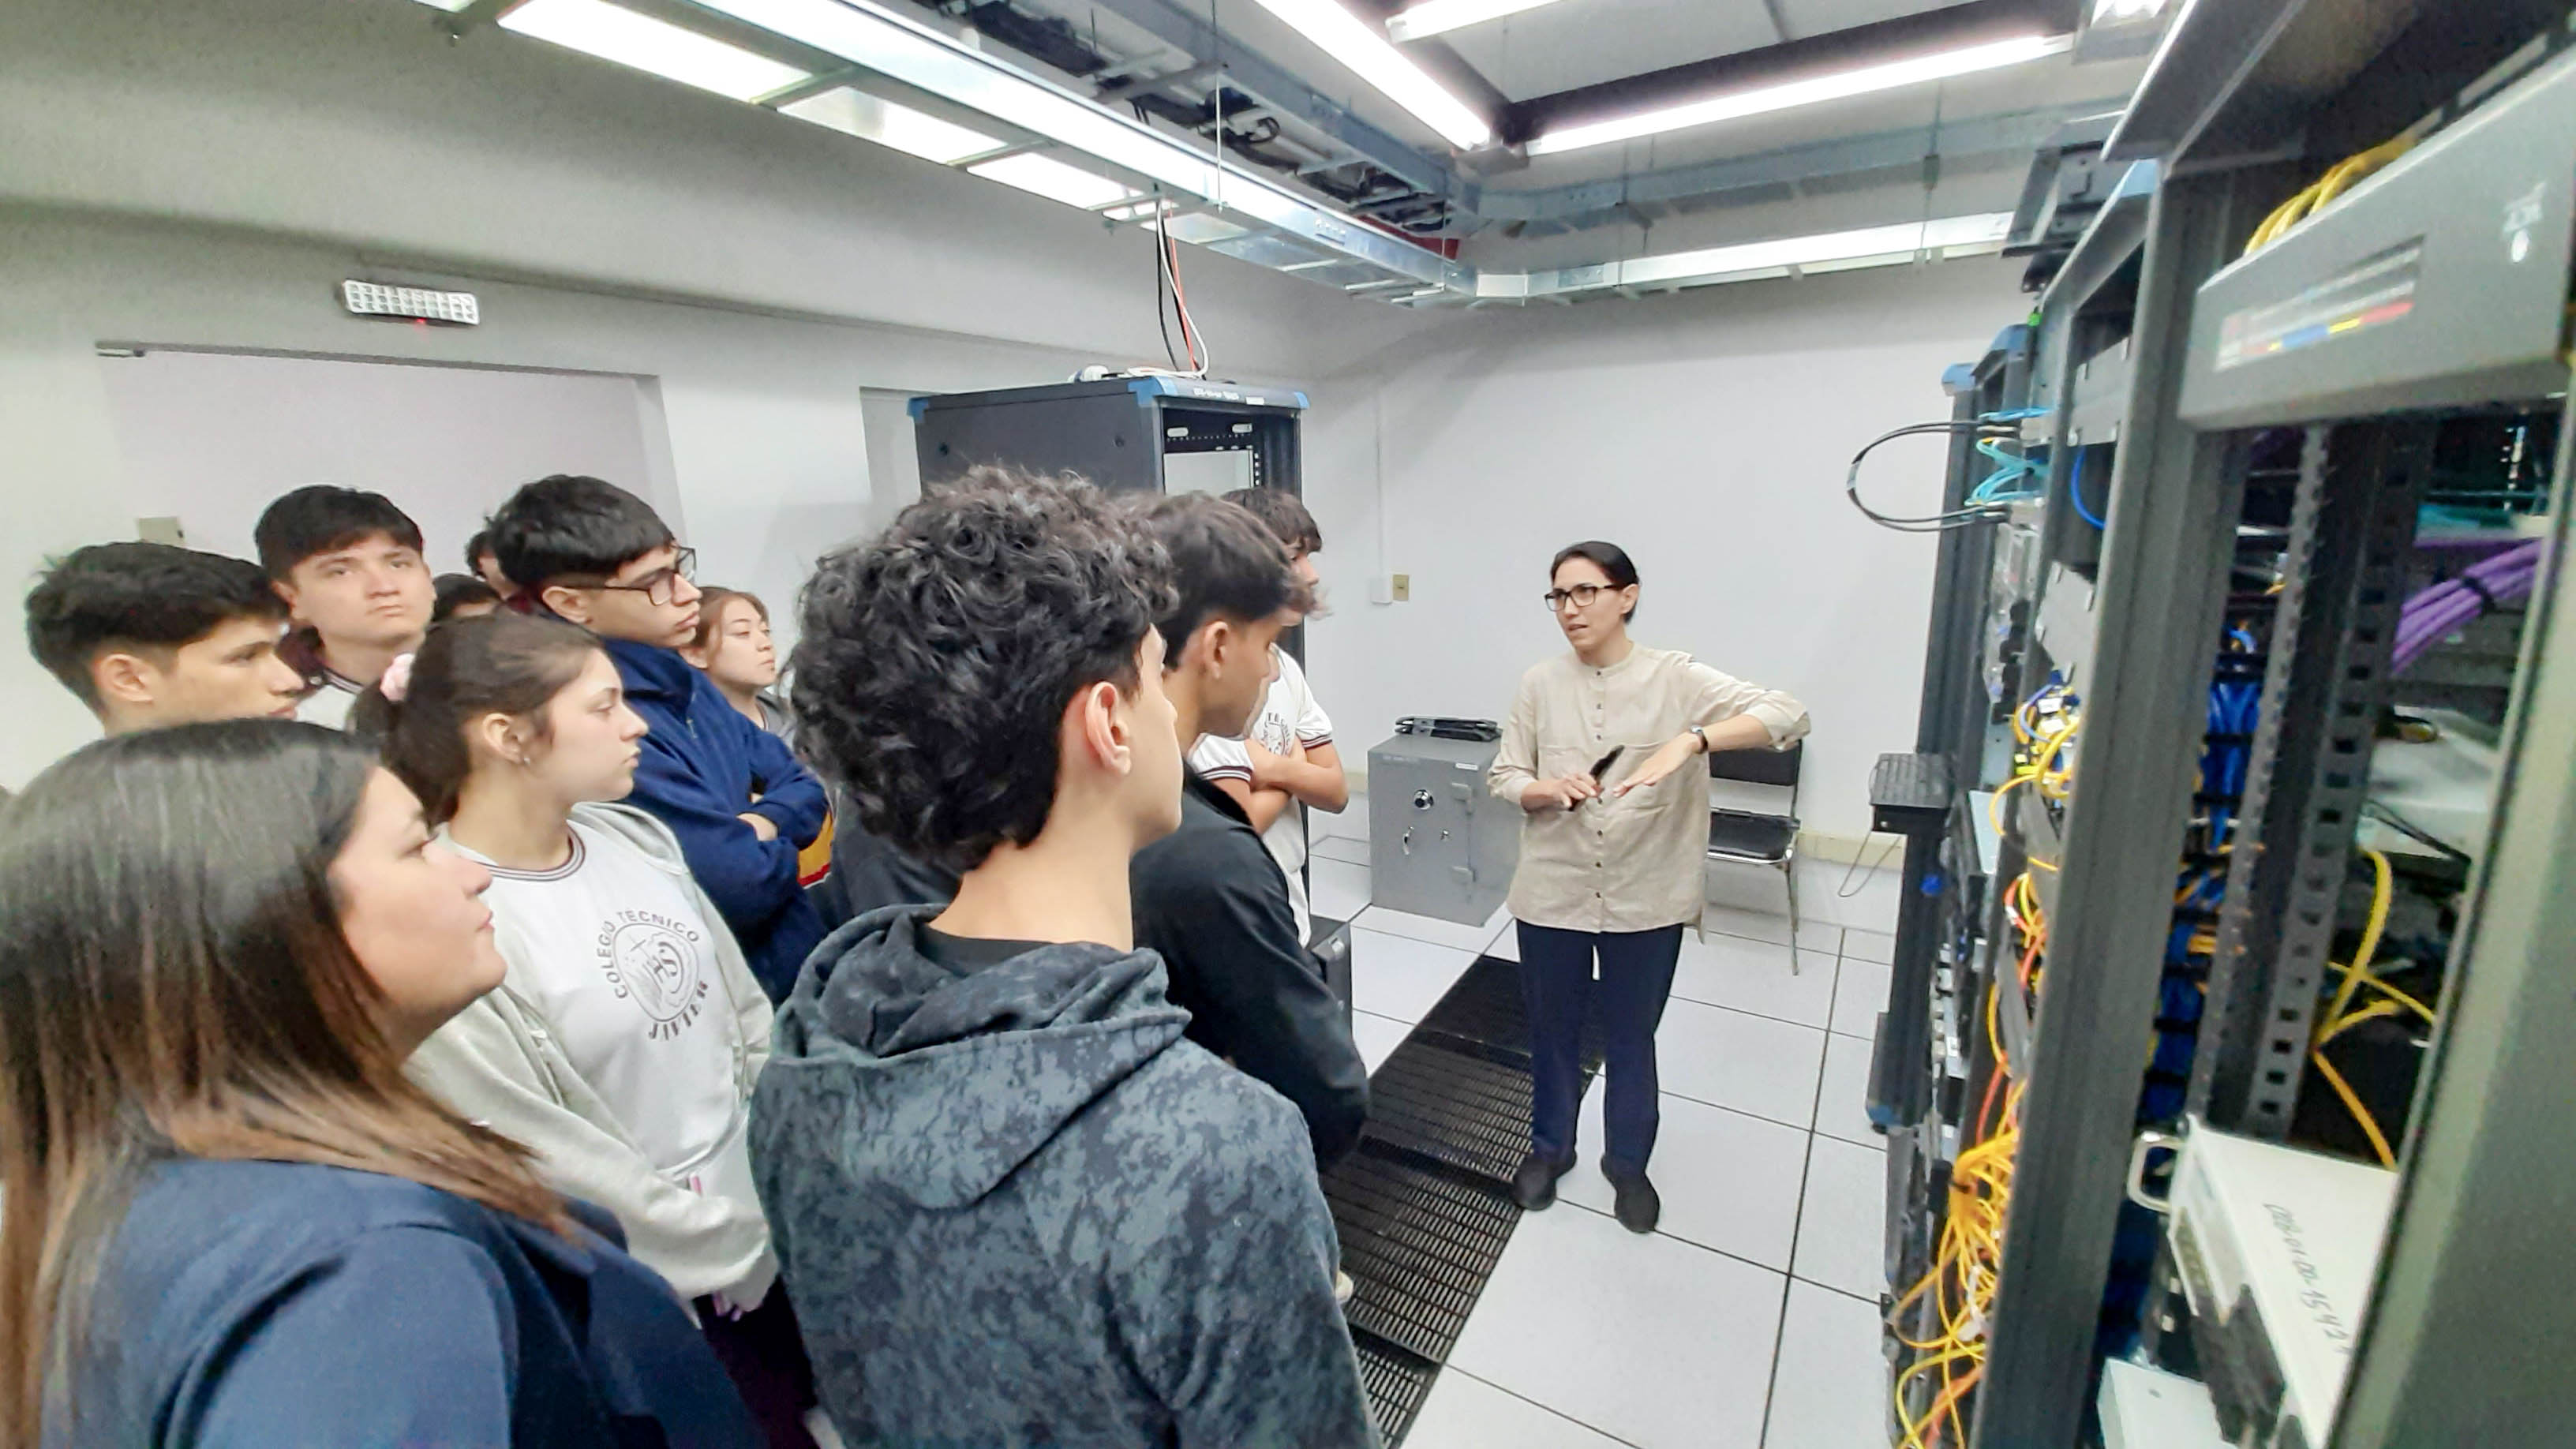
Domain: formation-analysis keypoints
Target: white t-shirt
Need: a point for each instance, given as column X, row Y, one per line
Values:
column 329, row 705
column 1288, row 716
column 614, row 953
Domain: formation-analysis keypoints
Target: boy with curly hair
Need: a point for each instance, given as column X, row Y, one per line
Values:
column 1014, row 1205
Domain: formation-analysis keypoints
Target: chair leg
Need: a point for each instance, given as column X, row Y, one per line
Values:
column 1789, row 874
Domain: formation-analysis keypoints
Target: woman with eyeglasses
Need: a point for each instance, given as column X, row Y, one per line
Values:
column 1602, row 752
column 231, row 1219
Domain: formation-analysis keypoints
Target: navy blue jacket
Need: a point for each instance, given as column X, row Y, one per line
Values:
column 701, row 765
column 284, row 1304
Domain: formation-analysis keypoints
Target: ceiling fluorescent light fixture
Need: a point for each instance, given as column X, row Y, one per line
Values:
column 1432, row 17
column 1198, row 228
column 1053, row 179
column 604, row 30
column 1835, row 87
column 1827, row 249
column 1365, row 50
column 869, row 34
column 2121, row 12
column 1876, row 246
column 873, row 118
column 875, row 39
column 1836, row 250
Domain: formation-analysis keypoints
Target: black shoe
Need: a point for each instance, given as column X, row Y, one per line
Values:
column 1534, row 1186
column 1639, row 1207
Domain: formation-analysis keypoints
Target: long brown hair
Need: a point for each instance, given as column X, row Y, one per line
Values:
column 711, row 601
column 174, row 982
column 468, row 668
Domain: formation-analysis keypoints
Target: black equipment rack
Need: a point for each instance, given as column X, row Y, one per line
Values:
column 2281, row 405
column 1118, row 432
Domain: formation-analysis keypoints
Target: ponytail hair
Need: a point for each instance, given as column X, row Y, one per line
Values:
column 1610, row 558
column 501, row 663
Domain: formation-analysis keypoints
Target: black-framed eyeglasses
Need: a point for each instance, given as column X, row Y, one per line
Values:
column 660, row 587
column 1581, row 594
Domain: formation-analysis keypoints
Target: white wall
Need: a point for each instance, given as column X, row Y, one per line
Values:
column 758, row 421
column 894, row 460
column 1707, row 434
column 204, row 175
column 356, row 122
column 210, row 438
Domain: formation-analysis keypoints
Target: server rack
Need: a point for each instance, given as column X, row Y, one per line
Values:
column 1915, row 795
column 1119, row 432
column 2143, row 357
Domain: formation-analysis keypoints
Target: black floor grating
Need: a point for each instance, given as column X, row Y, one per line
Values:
column 1424, row 1205
column 1420, row 1246
column 1461, row 1109
column 1485, row 1006
column 1397, row 1383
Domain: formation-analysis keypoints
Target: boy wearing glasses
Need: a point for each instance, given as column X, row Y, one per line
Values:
column 590, row 552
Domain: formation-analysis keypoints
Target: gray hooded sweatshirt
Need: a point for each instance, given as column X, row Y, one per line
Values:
column 1014, row 1207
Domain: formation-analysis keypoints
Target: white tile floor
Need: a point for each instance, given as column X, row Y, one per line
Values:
column 1749, row 1319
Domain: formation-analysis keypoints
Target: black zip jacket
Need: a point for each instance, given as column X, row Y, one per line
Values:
column 1211, row 901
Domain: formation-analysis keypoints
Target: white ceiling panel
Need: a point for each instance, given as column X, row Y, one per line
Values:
column 1585, row 42
column 1815, row 17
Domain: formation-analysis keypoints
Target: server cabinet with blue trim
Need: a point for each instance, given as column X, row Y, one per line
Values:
column 1162, row 434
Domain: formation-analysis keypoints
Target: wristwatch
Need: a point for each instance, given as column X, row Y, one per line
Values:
column 1701, row 733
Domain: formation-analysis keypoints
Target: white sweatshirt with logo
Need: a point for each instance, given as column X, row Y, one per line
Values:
column 622, row 1048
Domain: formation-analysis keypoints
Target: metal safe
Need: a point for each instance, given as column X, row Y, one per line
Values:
column 1440, row 844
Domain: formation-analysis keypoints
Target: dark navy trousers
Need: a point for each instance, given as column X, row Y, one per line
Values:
column 1557, row 988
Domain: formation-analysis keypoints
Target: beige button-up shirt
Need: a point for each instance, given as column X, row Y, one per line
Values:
column 1636, row 863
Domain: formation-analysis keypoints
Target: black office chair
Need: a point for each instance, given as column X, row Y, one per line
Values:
column 1749, row 837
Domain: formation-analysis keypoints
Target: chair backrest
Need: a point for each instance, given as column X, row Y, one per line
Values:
column 1759, row 767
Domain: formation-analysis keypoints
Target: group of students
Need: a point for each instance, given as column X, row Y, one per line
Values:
column 493, row 1056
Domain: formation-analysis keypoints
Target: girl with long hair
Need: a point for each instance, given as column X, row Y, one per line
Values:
column 623, row 1043
column 734, row 651
column 231, row 1220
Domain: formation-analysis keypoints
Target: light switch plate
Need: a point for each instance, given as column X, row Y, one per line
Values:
column 1403, row 587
